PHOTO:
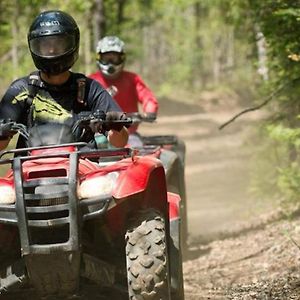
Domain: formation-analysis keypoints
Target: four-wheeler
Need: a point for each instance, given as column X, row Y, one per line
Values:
column 71, row 227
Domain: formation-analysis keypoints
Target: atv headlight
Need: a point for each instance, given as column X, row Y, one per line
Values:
column 7, row 194
column 97, row 186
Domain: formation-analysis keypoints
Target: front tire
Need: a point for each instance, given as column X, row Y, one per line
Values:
column 147, row 258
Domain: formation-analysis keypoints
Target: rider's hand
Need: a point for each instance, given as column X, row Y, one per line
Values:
column 115, row 116
column 95, row 126
column 90, row 119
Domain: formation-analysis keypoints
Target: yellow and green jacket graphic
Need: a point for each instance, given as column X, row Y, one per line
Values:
column 45, row 109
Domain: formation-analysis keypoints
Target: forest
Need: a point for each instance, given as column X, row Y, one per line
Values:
column 184, row 47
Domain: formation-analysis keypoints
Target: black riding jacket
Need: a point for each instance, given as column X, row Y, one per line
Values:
column 51, row 103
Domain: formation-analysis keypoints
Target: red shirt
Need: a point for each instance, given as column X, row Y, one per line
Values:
column 129, row 90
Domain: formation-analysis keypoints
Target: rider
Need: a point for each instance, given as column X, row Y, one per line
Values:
column 127, row 88
column 54, row 93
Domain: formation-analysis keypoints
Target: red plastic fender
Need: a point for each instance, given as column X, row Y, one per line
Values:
column 135, row 178
column 56, row 166
column 7, row 182
column 174, row 206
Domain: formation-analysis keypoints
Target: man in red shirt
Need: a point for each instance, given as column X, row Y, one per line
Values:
column 127, row 88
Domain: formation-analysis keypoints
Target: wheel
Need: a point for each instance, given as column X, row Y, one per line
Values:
column 147, row 258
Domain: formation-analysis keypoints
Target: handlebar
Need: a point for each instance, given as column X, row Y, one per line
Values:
column 138, row 118
column 97, row 122
column 92, row 122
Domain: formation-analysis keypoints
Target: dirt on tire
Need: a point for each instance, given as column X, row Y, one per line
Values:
column 146, row 257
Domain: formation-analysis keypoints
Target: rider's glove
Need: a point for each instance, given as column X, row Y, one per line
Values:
column 5, row 129
column 150, row 116
column 112, row 116
column 90, row 119
column 94, row 124
column 99, row 114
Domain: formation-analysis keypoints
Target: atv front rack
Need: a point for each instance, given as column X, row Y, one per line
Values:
column 51, row 204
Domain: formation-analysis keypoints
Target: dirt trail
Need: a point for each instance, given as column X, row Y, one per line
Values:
column 217, row 169
column 257, row 264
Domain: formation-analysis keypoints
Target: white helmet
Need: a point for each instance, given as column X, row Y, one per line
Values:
column 110, row 56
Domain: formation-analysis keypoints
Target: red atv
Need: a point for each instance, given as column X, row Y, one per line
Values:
column 170, row 150
column 70, row 227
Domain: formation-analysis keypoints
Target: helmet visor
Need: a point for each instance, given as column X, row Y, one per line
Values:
column 111, row 58
column 52, row 46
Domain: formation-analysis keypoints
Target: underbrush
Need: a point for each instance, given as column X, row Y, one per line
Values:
column 276, row 165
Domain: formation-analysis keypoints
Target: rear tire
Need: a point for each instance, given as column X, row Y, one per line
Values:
column 147, row 258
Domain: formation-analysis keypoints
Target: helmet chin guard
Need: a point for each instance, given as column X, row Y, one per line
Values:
column 110, row 70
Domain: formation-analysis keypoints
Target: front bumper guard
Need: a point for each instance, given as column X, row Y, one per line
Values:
column 28, row 214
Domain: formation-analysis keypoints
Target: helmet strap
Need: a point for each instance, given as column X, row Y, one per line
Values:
column 81, row 83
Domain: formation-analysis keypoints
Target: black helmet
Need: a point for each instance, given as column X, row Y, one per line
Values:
column 53, row 40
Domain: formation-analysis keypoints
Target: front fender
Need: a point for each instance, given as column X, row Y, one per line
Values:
column 135, row 178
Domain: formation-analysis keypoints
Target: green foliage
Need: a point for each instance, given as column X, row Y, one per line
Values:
column 288, row 181
column 285, row 135
column 191, row 43
column 279, row 21
column 288, row 170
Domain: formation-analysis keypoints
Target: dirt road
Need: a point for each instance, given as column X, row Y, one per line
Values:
column 261, row 261
column 217, row 169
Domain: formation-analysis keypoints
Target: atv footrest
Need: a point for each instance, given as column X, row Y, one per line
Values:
column 12, row 277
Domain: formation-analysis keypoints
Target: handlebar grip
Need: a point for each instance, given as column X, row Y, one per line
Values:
column 138, row 118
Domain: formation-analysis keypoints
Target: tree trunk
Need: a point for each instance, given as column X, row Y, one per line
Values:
column 120, row 13
column 230, row 49
column 87, row 44
column 217, row 54
column 14, row 45
column 198, row 66
column 99, row 21
column 261, row 53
